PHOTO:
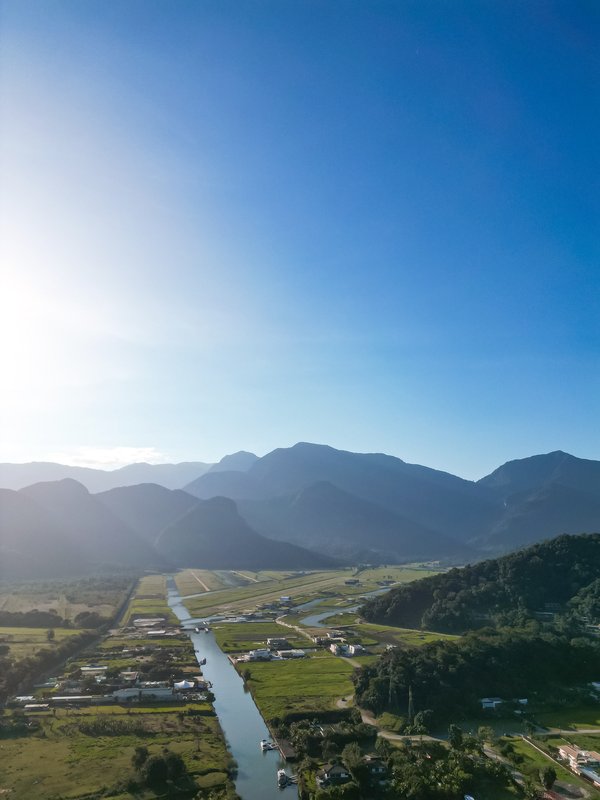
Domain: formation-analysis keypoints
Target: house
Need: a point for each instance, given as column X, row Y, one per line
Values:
column 94, row 670
column 591, row 774
column 352, row 582
column 129, row 676
column 259, row 655
column 578, row 759
column 491, row 702
column 355, row 649
column 148, row 622
column 134, row 694
column 33, row 707
column 126, row 695
column 157, row 694
column 291, row 653
column 333, row 775
column 278, row 644
column 377, row 769
column 338, row 649
column 334, row 634
column 285, row 598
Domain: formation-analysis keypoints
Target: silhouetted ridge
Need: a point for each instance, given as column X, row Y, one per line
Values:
column 215, row 536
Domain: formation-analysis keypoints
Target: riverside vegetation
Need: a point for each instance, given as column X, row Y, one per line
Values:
column 87, row 749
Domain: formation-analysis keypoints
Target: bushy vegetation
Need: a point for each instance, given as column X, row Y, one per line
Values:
column 433, row 772
column 561, row 574
column 450, row 677
column 24, row 671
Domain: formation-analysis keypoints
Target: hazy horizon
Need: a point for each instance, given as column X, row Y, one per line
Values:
column 109, row 460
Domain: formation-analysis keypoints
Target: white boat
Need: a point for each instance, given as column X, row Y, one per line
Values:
column 265, row 744
column 282, row 778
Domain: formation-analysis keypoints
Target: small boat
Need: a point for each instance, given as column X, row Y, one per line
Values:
column 196, row 629
column 265, row 744
column 282, row 778
column 202, row 662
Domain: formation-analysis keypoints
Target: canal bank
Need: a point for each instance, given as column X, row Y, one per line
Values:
column 240, row 719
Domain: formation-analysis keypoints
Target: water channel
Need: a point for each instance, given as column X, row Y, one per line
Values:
column 316, row 620
column 238, row 715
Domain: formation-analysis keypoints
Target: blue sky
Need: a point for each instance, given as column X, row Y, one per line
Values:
column 237, row 225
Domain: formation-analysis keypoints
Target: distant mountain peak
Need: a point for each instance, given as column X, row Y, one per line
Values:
column 236, row 462
column 65, row 487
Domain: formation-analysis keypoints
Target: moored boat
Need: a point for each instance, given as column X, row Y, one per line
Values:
column 282, row 778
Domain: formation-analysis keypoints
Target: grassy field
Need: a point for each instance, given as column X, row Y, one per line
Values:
column 268, row 586
column 86, row 752
column 244, row 636
column 587, row 716
column 266, row 590
column 386, row 634
column 586, row 741
column 304, row 685
column 62, row 760
column 149, row 600
column 27, row 641
column 66, row 598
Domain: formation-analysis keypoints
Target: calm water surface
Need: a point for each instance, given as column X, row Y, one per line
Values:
column 240, row 719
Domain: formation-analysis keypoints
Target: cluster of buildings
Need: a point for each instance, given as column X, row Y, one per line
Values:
column 127, row 689
column 277, row 649
column 102, row 684
column 337, row 644
column 583, row 762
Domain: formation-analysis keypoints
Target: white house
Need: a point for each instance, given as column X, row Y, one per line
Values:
column 491, row 702
column 355, row 649
column 259, row 655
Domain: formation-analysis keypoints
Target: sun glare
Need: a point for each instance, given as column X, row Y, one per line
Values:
column 28, row 350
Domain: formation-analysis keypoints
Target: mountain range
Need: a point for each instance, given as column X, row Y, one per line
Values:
column 304, row 506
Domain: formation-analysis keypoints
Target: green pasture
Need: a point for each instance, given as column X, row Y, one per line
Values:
column 268, row 586
column 587, row 741
column 585, row 716
column 149, row 600
column 66, row 598
column 193, row 581
column 304, row 685
column 62, row 761
column 237, row 599
column 386, row 634
column 27, row 641
column 243, row 636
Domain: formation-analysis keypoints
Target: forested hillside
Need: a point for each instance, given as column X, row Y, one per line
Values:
column 449, row 678
column 562, row 574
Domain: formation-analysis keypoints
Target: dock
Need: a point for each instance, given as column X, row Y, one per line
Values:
column 285, row 748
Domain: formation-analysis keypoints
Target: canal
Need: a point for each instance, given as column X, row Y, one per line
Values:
column 238, row 715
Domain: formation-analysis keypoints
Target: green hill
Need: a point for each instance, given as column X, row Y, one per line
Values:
column 543, row 578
